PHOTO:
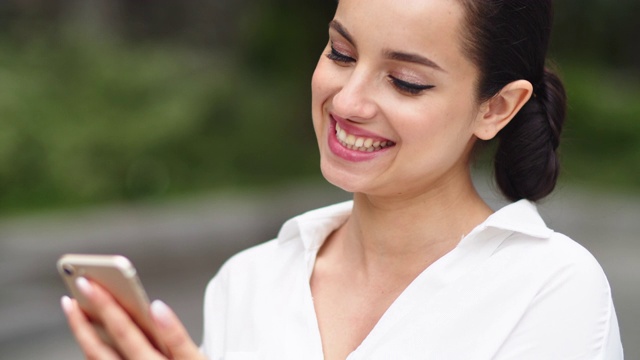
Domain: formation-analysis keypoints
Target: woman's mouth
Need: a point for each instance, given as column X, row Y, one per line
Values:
column 360, row 143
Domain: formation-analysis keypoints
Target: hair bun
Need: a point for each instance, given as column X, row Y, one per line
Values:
column 554, row 100
column 526, row 163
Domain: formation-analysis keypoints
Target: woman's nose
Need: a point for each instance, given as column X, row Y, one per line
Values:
column 354, row 99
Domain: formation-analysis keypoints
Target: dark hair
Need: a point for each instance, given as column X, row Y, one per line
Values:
column 508, row 40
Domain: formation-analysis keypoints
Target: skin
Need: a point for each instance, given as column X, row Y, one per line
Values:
column 130, row 340
column 413, row 200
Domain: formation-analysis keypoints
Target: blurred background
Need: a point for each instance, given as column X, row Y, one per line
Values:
column 179, row 132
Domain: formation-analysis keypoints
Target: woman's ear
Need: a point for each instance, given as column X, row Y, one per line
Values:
column 496, row 112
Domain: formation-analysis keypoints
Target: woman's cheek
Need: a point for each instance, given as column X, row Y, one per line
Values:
column 318, row 96
column 320, row 80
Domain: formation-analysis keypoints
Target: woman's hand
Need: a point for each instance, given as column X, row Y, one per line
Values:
column 130, row 339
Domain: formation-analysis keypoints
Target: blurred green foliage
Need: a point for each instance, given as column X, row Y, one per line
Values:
column 601, row 144
column 170, row 97
column 86, row 122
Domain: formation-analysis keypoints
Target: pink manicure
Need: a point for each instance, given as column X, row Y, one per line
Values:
column 65, row 301
column 84, row 286
column 161, row 313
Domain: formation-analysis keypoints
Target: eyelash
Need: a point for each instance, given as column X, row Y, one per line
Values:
column 411, row 88
column 403, row 86
column 339, row 57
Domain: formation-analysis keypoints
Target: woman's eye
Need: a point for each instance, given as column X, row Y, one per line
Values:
column 337, row 56
column 408, row 87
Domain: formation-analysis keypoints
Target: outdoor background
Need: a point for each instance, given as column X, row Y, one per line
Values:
column 124, row 117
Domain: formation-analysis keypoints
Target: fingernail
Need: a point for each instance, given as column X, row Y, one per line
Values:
column 65, row 301
column 84, row 286
column 161, row 313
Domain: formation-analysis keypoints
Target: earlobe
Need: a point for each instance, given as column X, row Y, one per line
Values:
column 496, row 112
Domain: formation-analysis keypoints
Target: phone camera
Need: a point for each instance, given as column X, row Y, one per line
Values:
column 68, row 270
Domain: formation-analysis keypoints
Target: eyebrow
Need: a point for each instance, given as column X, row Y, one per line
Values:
column 412, row 58
column 392, row 55
column 335, row 25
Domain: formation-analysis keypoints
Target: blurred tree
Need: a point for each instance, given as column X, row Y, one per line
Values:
column 598, row 31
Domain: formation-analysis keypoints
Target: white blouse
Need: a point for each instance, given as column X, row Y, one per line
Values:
column 511, row 289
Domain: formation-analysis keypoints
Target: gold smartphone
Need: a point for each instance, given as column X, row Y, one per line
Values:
column 117, row 275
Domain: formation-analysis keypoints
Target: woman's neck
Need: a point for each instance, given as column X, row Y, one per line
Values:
column 403, row 236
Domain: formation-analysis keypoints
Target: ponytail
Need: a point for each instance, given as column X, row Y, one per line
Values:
column 526, row 163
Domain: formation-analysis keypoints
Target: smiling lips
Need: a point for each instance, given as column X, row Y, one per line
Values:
column 363, row 144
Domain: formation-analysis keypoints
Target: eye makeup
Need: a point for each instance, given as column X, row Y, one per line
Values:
column 337, row 56
column 409, row 87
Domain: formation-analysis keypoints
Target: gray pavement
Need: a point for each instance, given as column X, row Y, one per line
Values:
column 178, row 245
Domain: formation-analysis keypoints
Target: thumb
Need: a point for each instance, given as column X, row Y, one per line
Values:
column 172, row 333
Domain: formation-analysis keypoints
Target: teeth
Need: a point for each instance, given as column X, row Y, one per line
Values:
column 351, row 140
column 342, row 135
column 359, row 143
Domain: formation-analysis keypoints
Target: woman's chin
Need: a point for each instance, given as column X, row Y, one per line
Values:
column 344, row 180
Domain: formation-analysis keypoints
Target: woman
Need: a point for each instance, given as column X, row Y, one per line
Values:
column 417, row 266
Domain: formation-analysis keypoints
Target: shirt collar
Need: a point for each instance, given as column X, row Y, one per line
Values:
column 315, row 226
column 521, row 217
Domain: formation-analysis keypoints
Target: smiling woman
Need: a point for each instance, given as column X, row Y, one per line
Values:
column 408, row 86
column 417, row 266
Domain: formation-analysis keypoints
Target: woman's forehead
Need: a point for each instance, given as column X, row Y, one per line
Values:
column 427, row 27
column 411, row 20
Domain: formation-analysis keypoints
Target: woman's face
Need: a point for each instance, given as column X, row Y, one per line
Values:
column 393, row 103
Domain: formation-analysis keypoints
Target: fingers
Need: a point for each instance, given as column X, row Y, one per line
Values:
column 86, row 336
column 172, row 333
column 130, row 340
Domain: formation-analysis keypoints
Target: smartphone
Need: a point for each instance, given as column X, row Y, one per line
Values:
column 117, row 275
